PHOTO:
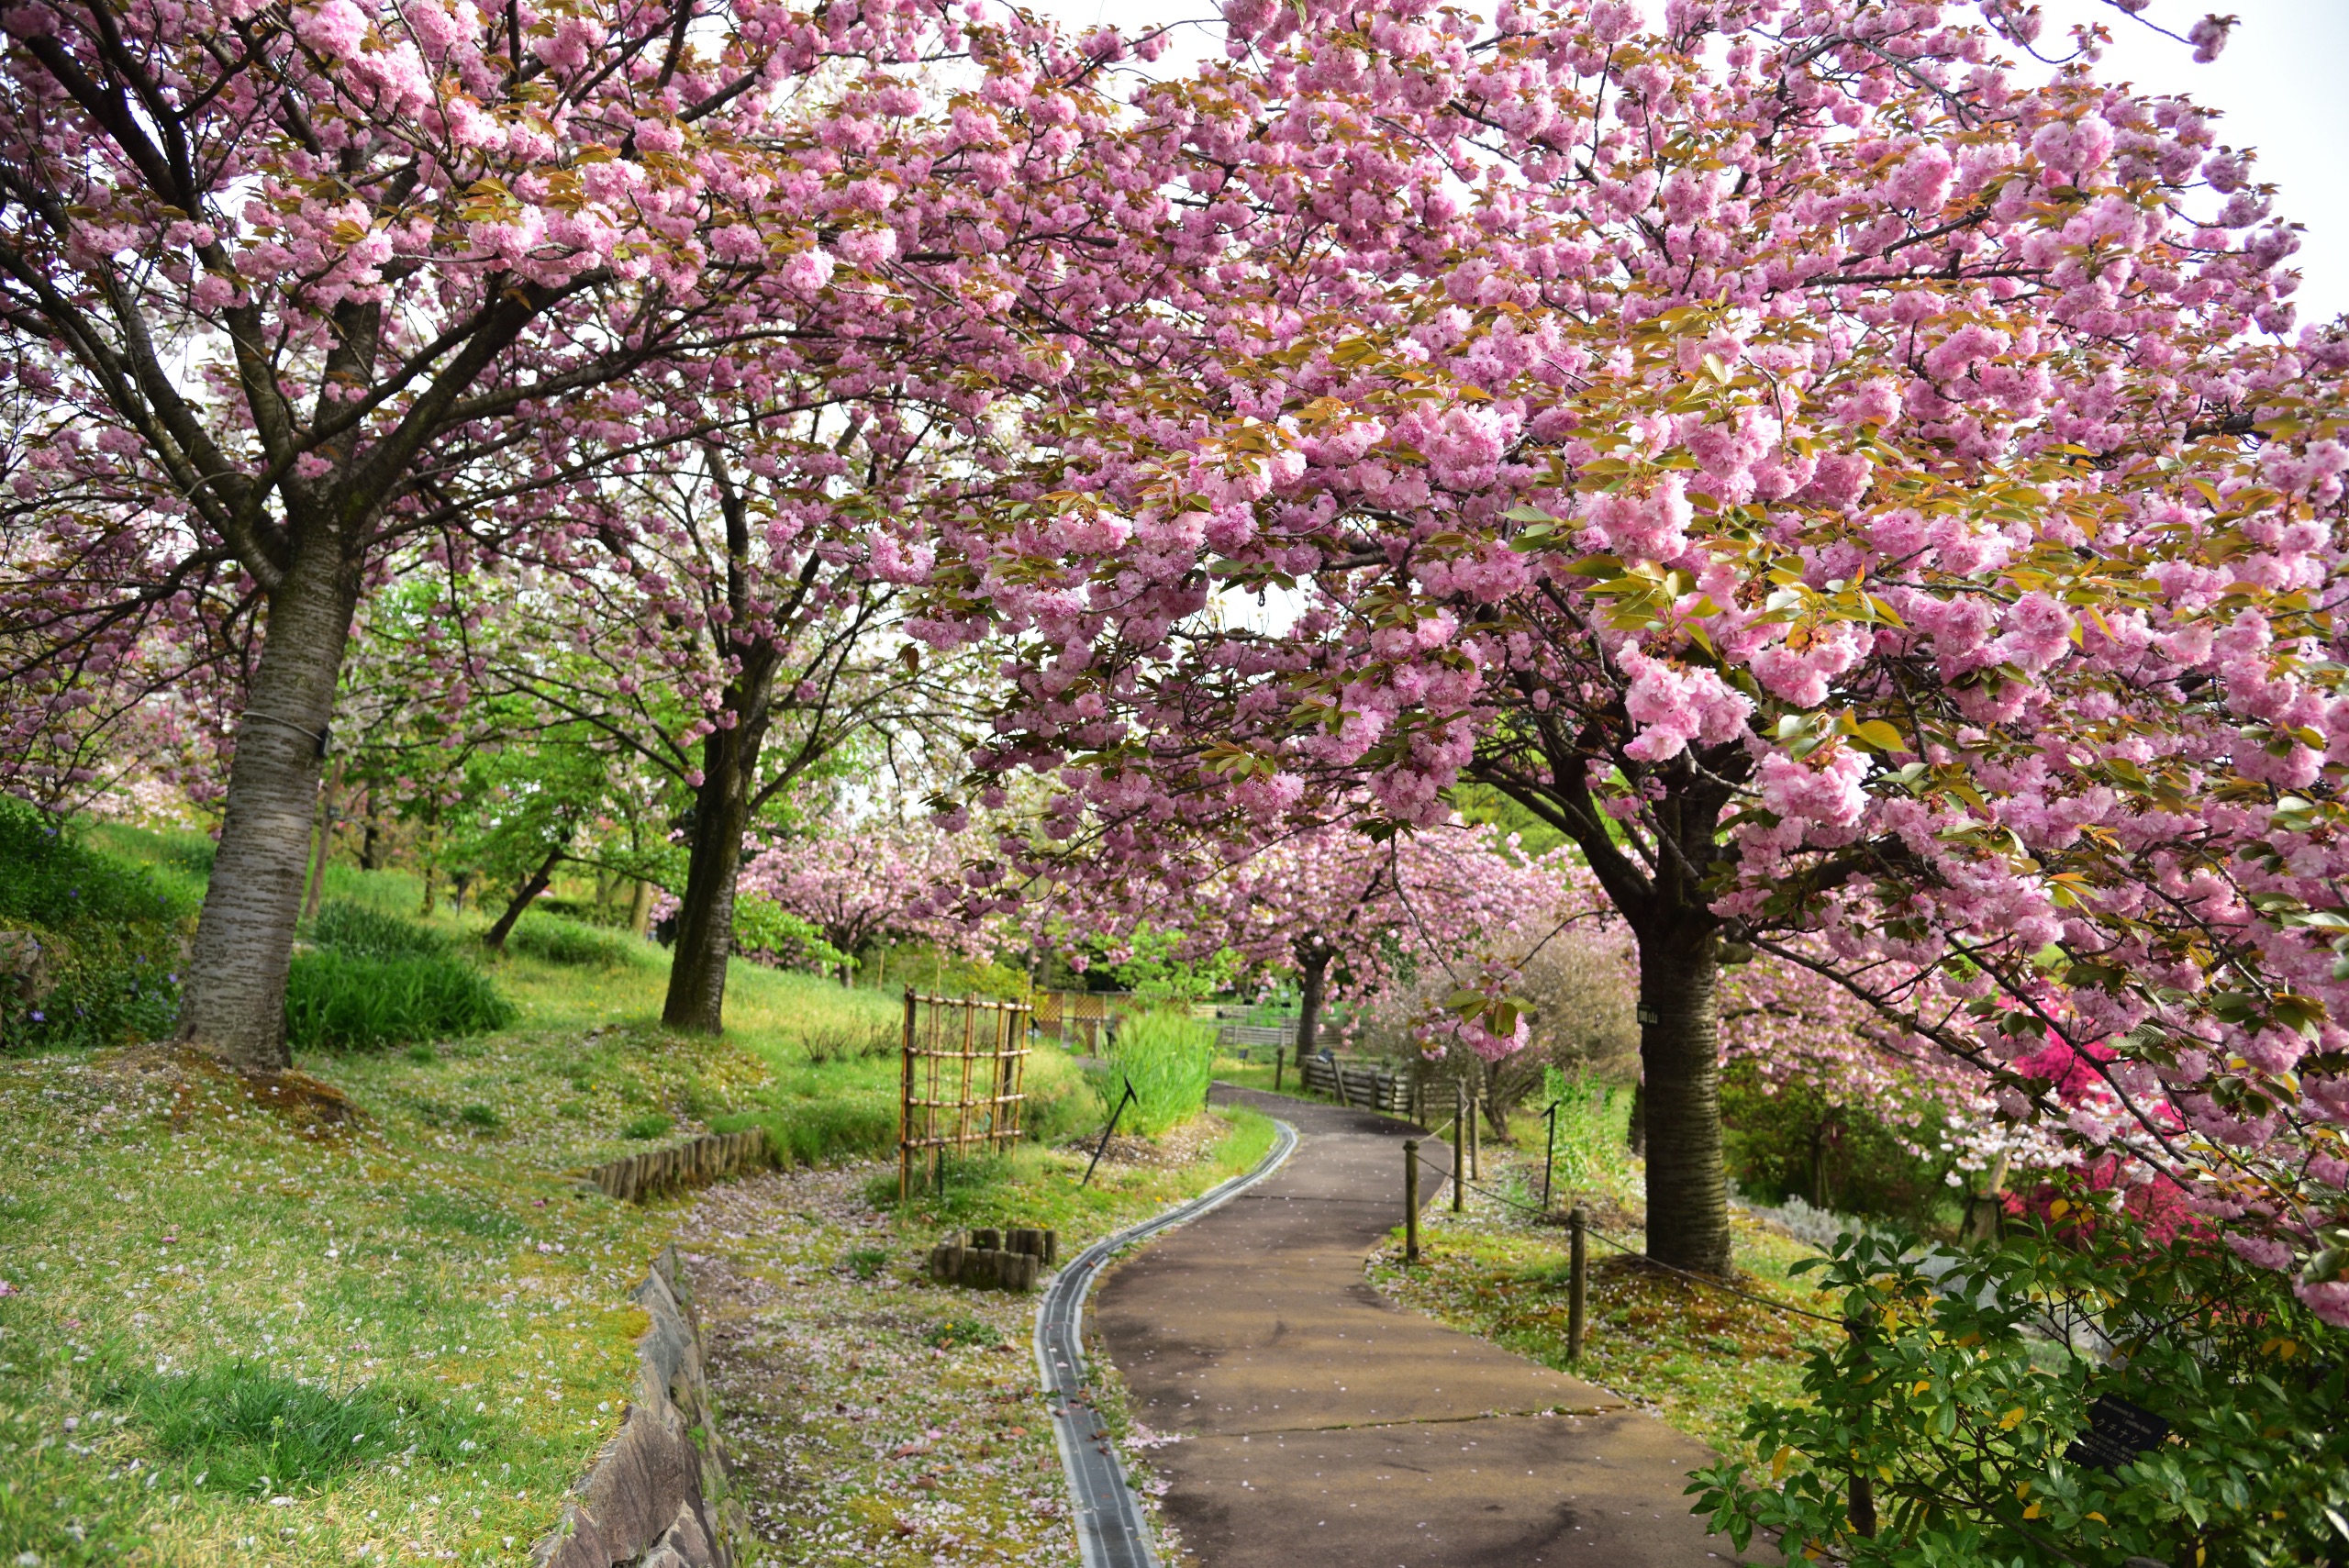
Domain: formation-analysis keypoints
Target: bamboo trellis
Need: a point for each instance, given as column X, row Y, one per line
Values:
column 1081, row 1015
column 962, row 1084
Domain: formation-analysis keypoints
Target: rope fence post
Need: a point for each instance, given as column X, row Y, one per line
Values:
column 1475, row 1141
column 1577, row 1281
column 905, row 1109
column 1459, row 1156
column 1108, row 1131
column 1279, row 1055
column 1549, row 1153
column 1410, row 1200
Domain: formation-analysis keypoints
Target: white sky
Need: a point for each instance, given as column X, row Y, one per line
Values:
column 2282, row 86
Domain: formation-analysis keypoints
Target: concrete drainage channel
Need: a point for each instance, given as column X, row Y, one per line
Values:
column 1110, row 1530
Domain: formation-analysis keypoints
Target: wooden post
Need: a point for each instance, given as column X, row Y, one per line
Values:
column 1577, row 1281
column 1475, row 1141
column 1459, row 1157
column 1410, row 1200
column 906, row 1109
column 1278, row 1055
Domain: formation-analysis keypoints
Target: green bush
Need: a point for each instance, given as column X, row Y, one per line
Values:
column 1062, row 1103
column 1167, row 1057
column 239, row 1428
column 337, row 1000
column 1960, row 1400
column 553, row 939
column 356, row 930
column 1795, row 1142
column 108, row 937
column 584, row 911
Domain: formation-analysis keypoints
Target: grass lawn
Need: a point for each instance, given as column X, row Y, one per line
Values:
column 378, row 1324
column 1695, row 1356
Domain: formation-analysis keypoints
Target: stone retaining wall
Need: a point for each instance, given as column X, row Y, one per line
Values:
column 656, row 1496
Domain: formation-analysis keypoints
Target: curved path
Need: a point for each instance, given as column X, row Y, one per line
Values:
column 1325, row 1425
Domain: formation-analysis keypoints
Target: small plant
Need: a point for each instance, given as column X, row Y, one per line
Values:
column 847, row 1042
column 964, row 1331
column 553, row 939
column 1167, row 1057
column 339, row 1000
column 866, row 1263
column 652, row 1124
column 239, row 1428
column 354, row 928
column 422, row 1055
column 484, row 1117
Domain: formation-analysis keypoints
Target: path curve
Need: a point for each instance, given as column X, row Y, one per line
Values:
column 1110, row 1530
column 1322, row 1424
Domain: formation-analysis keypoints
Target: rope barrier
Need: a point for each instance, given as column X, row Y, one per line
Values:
column 1625, row 1247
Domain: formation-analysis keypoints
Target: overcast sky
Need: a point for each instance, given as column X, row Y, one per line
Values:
column 2282, row 86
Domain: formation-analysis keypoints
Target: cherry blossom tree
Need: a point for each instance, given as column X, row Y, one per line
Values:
column 1873, row 504
column 298, row 283
column 740, row 637
column 874, row 882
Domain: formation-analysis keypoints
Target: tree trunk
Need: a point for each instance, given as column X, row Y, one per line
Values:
column 371, row 856
column 705, row 917
column 234, row 1001
column 1313, row 964
column 1489, row 1079
column 1680, row 1050
column 1635, row 1130
column 314, row 888
column 528, row 894
column 639, row 908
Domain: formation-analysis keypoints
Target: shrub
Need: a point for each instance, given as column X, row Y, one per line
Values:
column 239, row 1428
column 337, row 1000
column 358, row 931
column 107, row 935
column 1960, row 1398
column 652, row 1124
column 1167, row 1057
column 1795, row 1141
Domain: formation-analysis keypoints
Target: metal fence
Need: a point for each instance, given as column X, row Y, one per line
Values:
column 963, row 1080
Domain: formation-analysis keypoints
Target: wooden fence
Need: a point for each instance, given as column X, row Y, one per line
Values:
column 1372, row 1088
column 1076, row 1017
column 964, row 1079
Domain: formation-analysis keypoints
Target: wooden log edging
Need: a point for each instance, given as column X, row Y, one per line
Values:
column 706, row 1159
column 657, row 1493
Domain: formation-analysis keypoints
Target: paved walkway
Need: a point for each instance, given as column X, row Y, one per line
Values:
column 1325, row 1425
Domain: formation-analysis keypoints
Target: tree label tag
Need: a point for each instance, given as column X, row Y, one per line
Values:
column 2117, row 1432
